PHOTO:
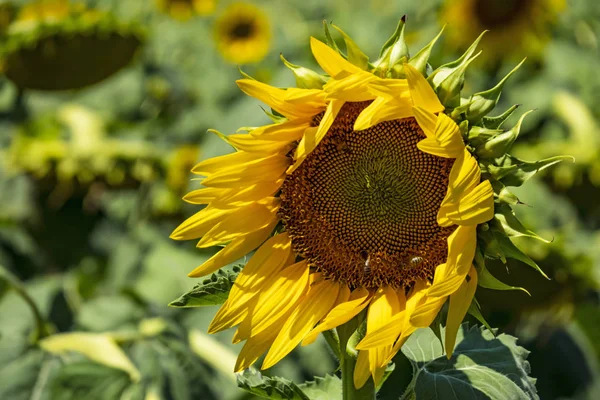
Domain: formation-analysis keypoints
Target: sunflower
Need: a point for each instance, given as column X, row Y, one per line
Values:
column 59, row 45
column 516, row 27
column 363, row 201
column 185, row 9
column 243, row 34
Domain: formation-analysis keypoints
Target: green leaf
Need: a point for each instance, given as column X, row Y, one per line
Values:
column 481, row 367
column 328, row 388
column 90, row 381
column 210, row 292
column 274, row 388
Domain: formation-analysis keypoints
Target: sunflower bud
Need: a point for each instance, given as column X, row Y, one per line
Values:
column 305, row 78
column 501, row 143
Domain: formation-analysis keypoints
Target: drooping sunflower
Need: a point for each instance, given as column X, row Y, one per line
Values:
column 60, row 45
column 185, row 9
column 243, row 34
column 376, row 194
column 516, row 27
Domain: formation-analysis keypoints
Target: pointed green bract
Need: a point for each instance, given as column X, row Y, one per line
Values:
column 496, row 122
column 500, row 144
column 449, row 89
column 355, row 54
column 419, row 60
column 305, row 78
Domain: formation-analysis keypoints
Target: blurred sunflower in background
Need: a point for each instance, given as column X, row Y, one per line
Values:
column 364, row 195
column 243, row 34
column 186, row 9
column 59, row 45
column 517, row 28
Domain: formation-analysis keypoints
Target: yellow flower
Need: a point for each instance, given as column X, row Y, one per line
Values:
column 185, row 9
column 516, row 27
column 362, row 196
column 243, row 34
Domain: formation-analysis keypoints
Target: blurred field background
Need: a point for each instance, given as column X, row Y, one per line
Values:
column 104, row 109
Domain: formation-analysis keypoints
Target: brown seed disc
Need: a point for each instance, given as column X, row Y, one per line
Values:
column 362, row 207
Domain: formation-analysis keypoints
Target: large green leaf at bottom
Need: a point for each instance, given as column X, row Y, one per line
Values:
column 276, row 388
column 481, row 367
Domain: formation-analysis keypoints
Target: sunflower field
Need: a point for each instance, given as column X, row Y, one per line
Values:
column 300, row 199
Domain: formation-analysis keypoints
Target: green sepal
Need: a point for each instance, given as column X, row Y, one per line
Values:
column 449, row 89
column 502, row 194
column 482, row 103
column 329, row 39
column 252, row 381
column 509, row 250
column 500, row 144
column 475, row 311
column 392, row 40
column 305, row 78
column 506, row 219
column 485, row 279
column 274, row 116
column 419, row 60
column 496, row 122
column 479, row 135
column 514, row 172
column 390, row 63
column 443, row 71
column 355, row 54
column 210, row 292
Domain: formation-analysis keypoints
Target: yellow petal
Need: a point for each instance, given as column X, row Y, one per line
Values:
column 247, row 142
column 361, row 369
column 331, row 61
column 251, row 194
column 446, row 280
column 389, row 88
column 317, row 302
column 426, row 120
column 288, row 131
column 425, row 313
column 383, row 307
column 460, row 302
column 200, row 223
column 312, row 138
column 246, row 174
column 205, row 195
column 475, row 207
column 241, row 222
column 341, row 313
column 351, row 88
column 420, row 90
column 278, row 299
column 254, row 348
column 233, row 251
column 380, row 110
column 461, row 248
column 219, row 163
column 447, row 140
column 276, row 99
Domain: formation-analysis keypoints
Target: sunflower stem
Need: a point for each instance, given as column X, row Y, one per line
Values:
column 349, row 335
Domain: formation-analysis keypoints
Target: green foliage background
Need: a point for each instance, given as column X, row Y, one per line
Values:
column 84, row 231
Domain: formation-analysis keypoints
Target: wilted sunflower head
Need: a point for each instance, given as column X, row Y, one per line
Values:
column 243, row 34
column 516, row 27
column 185, row 9
column 59, row 45
column 378, row 188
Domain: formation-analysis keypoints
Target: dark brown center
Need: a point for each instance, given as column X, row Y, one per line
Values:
column 242, row 30
column 362, row 207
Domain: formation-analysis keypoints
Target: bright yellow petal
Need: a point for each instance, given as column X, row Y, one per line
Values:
column 246, row 142
column 426, row 120
column 215, row 164
column 312, row 138
column 475, row 207
column 254, row 348
column 278, row 299
column 461, row 248
column 422, row 93
column 288, row 131
column 243, row 175
column 317, row 302
column 446, row 280
column 331, row 61
column 341, row 313
column 460, row 302
column 205, row 195
column 276, row 99
column 241, row 222
column 380, row 110
column 447, row 141
column 383, row 307
column 239, row 198
column 233, row 251
column 361, row 369
column 200, row 223
column 351, row 88
column 425, row 313
column 389, row 88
